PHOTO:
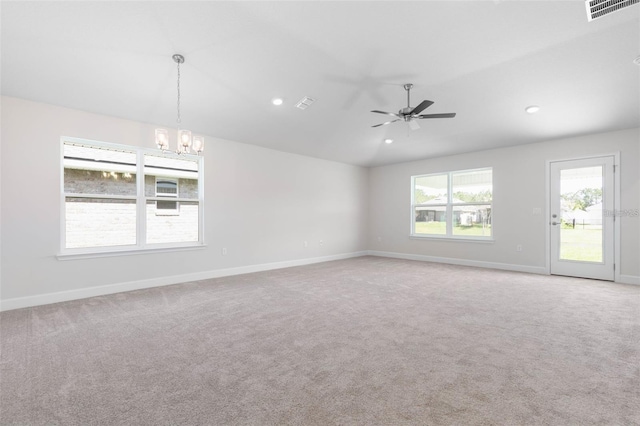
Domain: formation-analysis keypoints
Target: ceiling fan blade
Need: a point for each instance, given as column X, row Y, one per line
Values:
column 445, row 115
column 388, row 122
column 387, row 113
column 413, row 125
column 423, row 105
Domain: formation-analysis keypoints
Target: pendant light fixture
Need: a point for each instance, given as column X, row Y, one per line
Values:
column 185, row 141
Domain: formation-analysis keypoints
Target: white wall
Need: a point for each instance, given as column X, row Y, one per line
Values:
column 260, row 204
column 519, row 187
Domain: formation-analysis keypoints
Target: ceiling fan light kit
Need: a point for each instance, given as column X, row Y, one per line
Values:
column 186, row 142
column 410, row 114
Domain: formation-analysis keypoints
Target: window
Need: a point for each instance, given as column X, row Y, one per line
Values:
column 166, row 188
column 453, row 204
column 118, row 197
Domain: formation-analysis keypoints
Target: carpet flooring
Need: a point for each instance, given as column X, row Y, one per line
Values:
column 363, row 341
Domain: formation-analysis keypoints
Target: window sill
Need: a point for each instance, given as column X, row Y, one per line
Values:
column 111, row 252
column 484, row 240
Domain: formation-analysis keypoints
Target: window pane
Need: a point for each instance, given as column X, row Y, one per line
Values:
column 430, row 220
column 177, row 228
column 581, row 236
column 90, row 170
column 92, row 222
column 159, row 162
column 430, row 189
column 472, row 220
column 182, row 171
column 186, row 188
column 167, row 205
column 472, row 186
column 166, row 187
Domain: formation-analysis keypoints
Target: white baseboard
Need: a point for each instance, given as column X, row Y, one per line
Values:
column 624, row 279
column 64, row 296
column 629, row 279
column 464, row 262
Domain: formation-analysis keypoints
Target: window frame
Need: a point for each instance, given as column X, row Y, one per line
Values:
column 449, row 208
column 140, row 199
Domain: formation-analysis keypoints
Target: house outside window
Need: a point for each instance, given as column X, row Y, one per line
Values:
column 119, row 197
column 454, row 204
column 166, row 188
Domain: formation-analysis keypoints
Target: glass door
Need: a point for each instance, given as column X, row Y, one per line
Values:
column 582, row 231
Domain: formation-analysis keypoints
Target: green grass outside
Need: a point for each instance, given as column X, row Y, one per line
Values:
column 576, row 244
column 581, row 244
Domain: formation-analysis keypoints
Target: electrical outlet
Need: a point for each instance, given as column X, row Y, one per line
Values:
column 224, row 251
column 379, row 239
column 321, row 242
column 519, row 247
column 305, row 244
column 537, row 211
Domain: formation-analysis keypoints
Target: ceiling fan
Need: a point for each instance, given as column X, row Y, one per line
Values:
column 409, row 114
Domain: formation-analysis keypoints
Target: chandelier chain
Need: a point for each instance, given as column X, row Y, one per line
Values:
column 178, row 104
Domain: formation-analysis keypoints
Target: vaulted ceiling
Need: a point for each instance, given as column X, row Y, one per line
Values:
column 484, row 60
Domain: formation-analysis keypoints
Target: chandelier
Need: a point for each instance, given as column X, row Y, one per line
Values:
column 186, row 142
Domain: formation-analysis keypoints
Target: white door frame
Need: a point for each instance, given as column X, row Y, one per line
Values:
column 616, row 223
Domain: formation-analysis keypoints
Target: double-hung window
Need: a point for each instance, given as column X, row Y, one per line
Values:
column 120, row 198
column 454, row 204
column 168, row 190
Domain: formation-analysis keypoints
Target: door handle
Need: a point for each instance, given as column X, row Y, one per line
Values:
column 555, row 223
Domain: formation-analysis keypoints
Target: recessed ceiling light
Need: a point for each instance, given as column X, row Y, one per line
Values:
column 277, row 101
column 532, row 109
column 388, row 141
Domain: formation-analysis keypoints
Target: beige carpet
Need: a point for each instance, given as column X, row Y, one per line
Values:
column 365, row 341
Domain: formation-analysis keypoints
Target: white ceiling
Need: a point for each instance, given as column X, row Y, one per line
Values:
column 484, row 60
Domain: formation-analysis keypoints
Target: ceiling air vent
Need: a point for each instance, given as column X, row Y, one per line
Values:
column 305, row 102
column 598, row 8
